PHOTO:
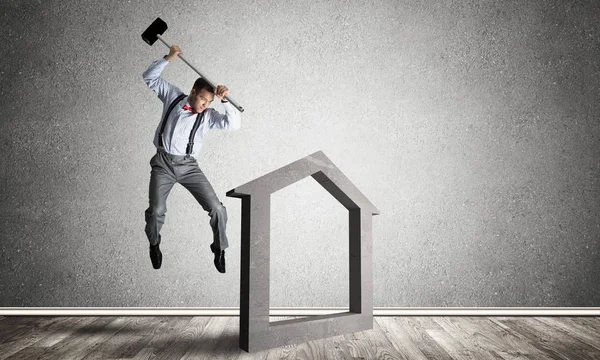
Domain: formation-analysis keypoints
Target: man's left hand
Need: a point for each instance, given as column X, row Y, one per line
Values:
column 221, row 91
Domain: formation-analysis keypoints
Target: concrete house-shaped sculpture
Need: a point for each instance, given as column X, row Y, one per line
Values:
column 256, row 332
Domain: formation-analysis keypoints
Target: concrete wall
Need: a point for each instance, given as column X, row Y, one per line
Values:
column 472, row 126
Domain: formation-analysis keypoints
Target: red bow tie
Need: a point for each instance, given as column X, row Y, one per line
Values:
column 185, row 107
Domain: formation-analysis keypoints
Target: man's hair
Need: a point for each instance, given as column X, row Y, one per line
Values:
column 201, row 83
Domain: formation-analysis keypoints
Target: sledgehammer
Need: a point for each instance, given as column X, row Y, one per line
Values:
column 154, row 32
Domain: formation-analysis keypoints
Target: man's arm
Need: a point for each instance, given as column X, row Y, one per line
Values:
column 230, row 121
column 165, row 90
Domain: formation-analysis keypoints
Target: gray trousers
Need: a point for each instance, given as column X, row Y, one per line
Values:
column 168, row 169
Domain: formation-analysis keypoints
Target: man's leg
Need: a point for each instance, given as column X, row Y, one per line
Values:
column 194, row 180
column 162, row 180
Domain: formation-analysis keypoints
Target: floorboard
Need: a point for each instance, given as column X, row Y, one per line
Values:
column 392, row 337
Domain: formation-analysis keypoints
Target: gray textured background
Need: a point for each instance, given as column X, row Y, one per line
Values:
column 473, row 126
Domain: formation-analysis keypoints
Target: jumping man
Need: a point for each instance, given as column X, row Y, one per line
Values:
column 178, row 139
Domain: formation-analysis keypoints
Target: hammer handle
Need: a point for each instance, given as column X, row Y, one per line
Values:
column 241, row 109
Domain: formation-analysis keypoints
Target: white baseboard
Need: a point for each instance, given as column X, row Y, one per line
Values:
column 234, row 311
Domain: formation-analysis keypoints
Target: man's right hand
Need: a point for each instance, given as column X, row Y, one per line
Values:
column 175, row 50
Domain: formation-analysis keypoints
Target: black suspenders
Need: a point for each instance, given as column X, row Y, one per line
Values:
column 179, row 98
column 190, row 145
column 199, row 119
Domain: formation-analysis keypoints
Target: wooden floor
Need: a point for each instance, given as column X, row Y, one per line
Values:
column 199, row 337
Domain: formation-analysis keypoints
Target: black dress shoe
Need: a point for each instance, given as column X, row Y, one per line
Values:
column 156, row 255
column 219, row 258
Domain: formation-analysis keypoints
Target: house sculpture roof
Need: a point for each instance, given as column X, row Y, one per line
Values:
column 321, row 168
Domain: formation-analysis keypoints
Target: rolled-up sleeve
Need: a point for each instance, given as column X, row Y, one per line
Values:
column 165, row 90
column 231, row 120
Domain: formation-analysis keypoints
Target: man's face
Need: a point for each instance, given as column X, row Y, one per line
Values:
column 201, row 100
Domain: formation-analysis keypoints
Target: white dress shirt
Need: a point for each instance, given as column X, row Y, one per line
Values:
column 180, row 122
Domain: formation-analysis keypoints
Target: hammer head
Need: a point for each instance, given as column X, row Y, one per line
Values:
column 158, row 27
